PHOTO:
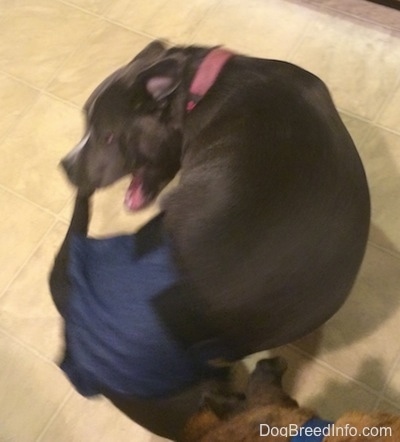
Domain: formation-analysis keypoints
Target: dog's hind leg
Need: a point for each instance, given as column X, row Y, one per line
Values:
column 59, row 281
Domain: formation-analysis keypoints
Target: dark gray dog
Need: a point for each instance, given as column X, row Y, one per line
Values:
column 270, row 219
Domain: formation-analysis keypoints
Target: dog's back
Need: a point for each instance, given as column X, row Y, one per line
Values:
column 271, row 216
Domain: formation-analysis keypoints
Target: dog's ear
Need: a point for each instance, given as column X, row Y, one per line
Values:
column 163, row 78
column 151, row 51
column 223, row 405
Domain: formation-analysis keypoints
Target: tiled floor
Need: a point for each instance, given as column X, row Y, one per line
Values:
column 52, row 54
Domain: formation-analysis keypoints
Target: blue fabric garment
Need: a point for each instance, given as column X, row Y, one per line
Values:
column 317, row 428
column 115, row 342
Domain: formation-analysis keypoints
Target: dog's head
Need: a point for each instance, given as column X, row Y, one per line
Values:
column 222, row 415
column 264, row 387
column 132, row 128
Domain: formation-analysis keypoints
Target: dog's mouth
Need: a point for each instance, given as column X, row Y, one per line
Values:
column 144, row 188
column 135, row 197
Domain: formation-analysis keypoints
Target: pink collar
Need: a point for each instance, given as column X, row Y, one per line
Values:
column 206, row 75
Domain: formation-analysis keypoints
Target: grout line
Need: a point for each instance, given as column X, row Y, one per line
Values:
column 387, row 129
column 377, row 401
column 360, row 19
column 103, row 17
column 31, row 202
column 389, row 401
column 392, row 253
column 28, row 258
column 56, row 219
column 61, row 66
column 387, row 100
column 61, row 100
column 195, row 28
column 136, row 31
column 327, row 366
column 54, row 415
column 20, row 80
column 353, row 115
column 17, row 120
column 40, row 93
column 79, row 8
column 382, row 398
column 291, row 54
column 26, row 346
column 372, row 123
column 107, row 9
column 39, row 90
column 390, row 374
column 139, row 32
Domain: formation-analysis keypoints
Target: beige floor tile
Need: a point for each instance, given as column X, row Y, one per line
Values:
column 364, row 10
column 32, row 151
column 388, row 407
column 357, row 128
column 390, row 116
column 358, row 63
column 94, row 420
column 392, row 389
column 134, row 18
column 361, row 340
column 255, row 27
column 174, row 20
column 107, row 48
column 15, row 97
column 319, row 387
column 66, row 213
column 26, row 309
column 109, row 216
column 324, row 390
column 380, row 152
column 96, row 6
column 36, row 37
column 31, row 390
column 177, row 20
column 22, row 226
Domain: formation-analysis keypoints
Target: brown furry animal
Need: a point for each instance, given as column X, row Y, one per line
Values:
column 238, row 418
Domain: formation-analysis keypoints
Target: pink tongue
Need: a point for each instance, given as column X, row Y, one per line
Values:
column 134, row 198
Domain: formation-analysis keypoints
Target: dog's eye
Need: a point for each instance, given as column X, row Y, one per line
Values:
column 109, row 138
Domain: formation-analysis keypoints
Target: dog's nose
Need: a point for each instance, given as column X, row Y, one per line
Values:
column 69, row 162
column 70, row 166
column 67, row 165
column 276, row 365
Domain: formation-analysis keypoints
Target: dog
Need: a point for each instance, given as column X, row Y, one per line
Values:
column 267, row 413
column 270, row 218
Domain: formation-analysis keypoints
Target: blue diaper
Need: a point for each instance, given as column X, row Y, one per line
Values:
column 115, row 341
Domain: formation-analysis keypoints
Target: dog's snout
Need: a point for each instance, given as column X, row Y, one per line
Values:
column 69, row 165
column 70, row 161
column 66, row 165
column 277, row 365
